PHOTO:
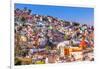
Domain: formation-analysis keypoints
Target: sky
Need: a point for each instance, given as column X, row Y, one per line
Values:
column 81, row 15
